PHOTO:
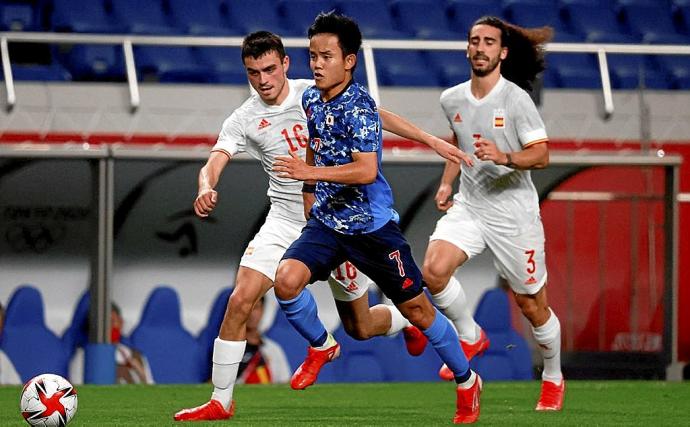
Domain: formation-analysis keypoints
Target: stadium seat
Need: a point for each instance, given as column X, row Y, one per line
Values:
column 573, row 70
column 201, row 18
column 83, row 17
column 678, row 67
column 648, row 20
column 535, row 13
column 422, row 19
column 626, row 72
column 77, row 333
column 594, row 22
column 35, row 72
column 96, row 63
column 19, row 16
column 210, row 332
column 224, row 64
column 404, row 68
column 250, row 16
column 28, row 343
column 508, row 356
column 299, row 64
column 681, row 11
column 173, row 353
column 373, row 17
column 171, row 64
column 300, row 14
column 463, row 13
column 452, row 66
column 143, row 17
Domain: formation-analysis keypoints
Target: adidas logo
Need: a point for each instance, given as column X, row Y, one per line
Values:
column 457, row 118
column 530, row 281
column 407, row 283
column 264, row 123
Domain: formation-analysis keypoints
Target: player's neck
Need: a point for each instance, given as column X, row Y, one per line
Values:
column 481, row 86
column 284, row 92
column 332, row 92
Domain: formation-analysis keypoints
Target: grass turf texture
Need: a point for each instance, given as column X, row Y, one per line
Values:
column 394, row 404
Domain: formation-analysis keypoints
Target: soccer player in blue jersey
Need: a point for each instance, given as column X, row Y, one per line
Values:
column 352, row 216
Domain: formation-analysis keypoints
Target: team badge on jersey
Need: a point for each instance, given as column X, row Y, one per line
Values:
column 330, row 120
column 264, row 124
column 499, row 118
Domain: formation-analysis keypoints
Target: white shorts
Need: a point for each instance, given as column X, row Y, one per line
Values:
column 264, row 252
column 520, row 259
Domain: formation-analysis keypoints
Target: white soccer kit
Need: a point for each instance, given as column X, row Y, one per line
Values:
column 497, row 206
column 265, row 132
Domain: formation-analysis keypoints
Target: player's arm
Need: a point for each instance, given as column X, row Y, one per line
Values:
column 309, row 186
column 209, row 175
column 405, row 129
column 533, row 156
column 362, row 170
column 444, row 193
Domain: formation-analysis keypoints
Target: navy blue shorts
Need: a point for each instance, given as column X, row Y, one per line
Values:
column 384, row 255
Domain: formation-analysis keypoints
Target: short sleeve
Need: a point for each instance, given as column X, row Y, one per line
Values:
column 231, row 139
column 528, row 123
column 363, row 126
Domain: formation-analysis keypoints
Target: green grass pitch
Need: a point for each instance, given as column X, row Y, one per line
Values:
column 587, row 403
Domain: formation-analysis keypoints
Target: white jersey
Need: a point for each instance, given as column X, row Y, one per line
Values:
column 502, row 198
column 266, row 131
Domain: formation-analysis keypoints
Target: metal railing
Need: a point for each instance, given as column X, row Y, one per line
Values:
column 128, row 41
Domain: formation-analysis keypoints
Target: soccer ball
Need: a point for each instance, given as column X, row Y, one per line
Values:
column 48, row 400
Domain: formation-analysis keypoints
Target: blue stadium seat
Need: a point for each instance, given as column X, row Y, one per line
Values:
column 257, row 15
column 171, row 64
column 573, row 70
column 682, row 14
column 173, row 353
column 404, row 68
column 423, row 19
column 452, row 66
column 463, row 13
column 593, row 21
column 373, row 17
column 648, row 20
column 300, row 14
column 28, row 343
column 208, row 335
column 20, row 16
column 225, row 64
column 83, row 17
column 96, row 63
column 678, row 67
column 508, row 357
column 201, row 18
column 299, row 64
column 535, row 13
column 143, row 17
column 625, row 72
column 33, row 72
column 77, row 333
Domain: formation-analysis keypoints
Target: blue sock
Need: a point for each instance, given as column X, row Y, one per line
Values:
column 445, row 341
column 302, row 314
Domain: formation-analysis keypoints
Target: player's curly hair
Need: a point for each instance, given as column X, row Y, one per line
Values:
column 259, row 43
column 346, row 29
column 525, row 50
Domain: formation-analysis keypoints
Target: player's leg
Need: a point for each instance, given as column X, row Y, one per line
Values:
column 311, row 257
column 350, row 292
column 228, row 348
column 522, row 261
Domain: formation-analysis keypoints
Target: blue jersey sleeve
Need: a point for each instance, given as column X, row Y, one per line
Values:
column 363, row 128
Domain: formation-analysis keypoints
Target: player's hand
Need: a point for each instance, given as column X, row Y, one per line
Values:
column 292, row 167
column 205, row 202
column 486, row 150
column 443, row 197
column 308, row 199
column 450, row 152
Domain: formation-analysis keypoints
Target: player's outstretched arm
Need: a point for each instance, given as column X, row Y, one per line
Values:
column 444, row 194
column 209, row 175
column 405, row 129
column 535, row 156
column 362, row 170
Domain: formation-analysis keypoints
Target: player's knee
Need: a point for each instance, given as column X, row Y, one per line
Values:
column 435, row 275
column 287, row 284
column 534, row 313
column 357, row 331
column 239, row 305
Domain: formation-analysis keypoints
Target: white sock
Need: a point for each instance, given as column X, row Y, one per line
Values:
column 227, row 356
column 330, row 342
column 548, row 336
column 398, row 321
column 470, row 381
column 453, row 303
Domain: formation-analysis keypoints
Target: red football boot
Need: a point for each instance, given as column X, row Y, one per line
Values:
column 467, row 403
column 415, row 340
column 551, row 398
column 309, row 370
column 212, row 410
column 470, row 351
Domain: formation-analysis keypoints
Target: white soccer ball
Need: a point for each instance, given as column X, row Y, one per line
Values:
column 48, row 400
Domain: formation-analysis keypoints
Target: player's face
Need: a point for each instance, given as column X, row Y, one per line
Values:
column 267, row 75
column 332, row 70
column 484, row 51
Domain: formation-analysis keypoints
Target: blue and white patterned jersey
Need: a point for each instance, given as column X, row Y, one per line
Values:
column 348, row 123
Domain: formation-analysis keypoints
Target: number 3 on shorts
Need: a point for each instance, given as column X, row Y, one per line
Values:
column 396, row 256
column 531, row 265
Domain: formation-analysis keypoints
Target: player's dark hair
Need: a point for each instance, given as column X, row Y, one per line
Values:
column 525, row 50
column 347, row 31
column 260, row 43
column 115, row 308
